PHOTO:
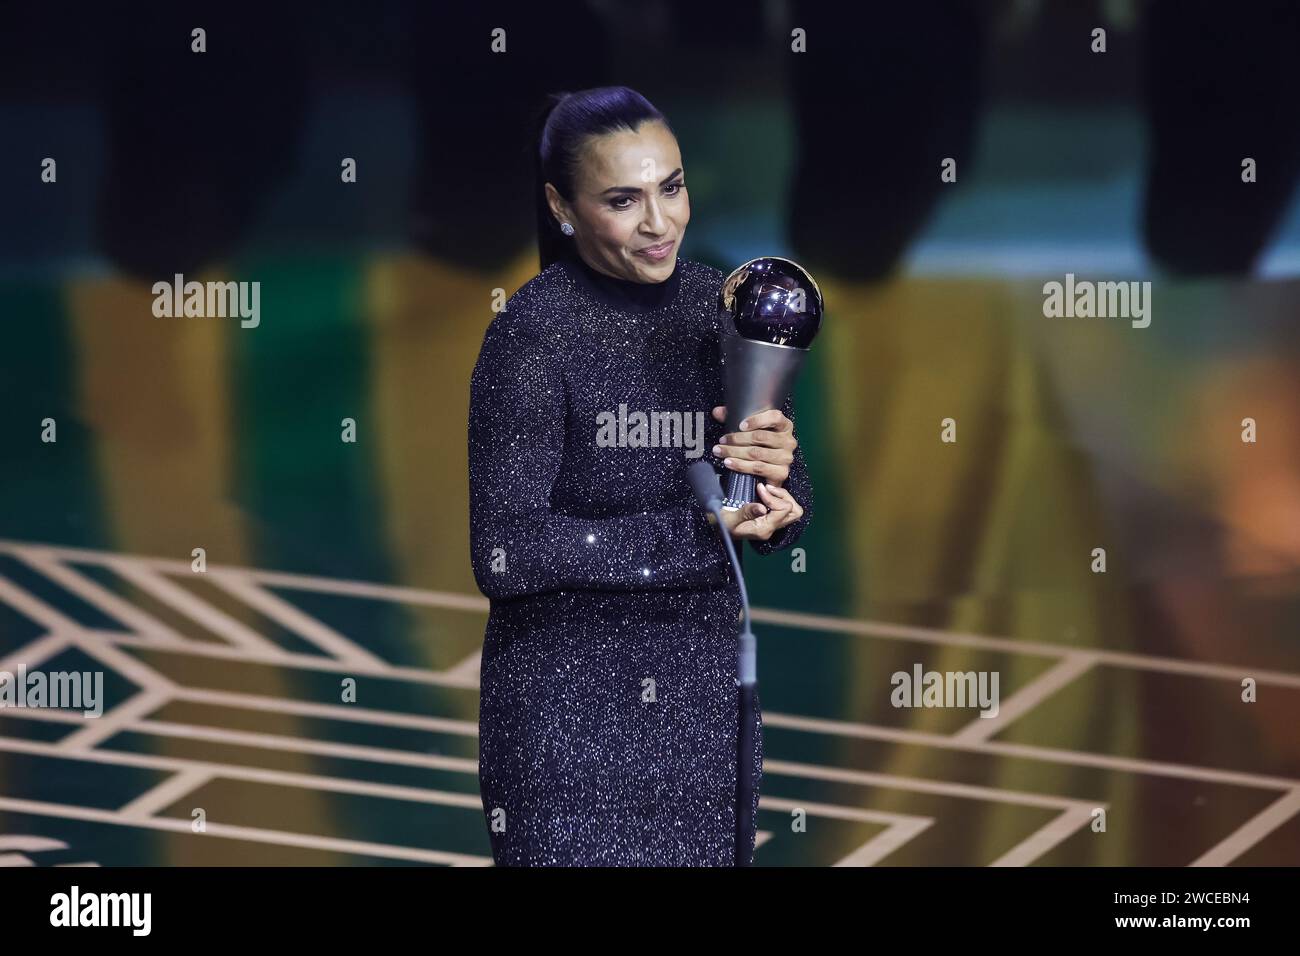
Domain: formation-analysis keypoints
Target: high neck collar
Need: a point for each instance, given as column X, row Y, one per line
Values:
column 624, row 294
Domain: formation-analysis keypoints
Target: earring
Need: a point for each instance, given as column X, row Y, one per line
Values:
column 566, row 228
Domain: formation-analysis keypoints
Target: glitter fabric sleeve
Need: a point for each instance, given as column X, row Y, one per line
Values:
column 800, row 486
column 520, row 544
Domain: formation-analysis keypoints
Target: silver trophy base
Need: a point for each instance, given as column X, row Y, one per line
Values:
column 757, row 376
column 740, row 490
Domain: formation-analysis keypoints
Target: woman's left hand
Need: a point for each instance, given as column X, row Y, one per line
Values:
column 764, row 447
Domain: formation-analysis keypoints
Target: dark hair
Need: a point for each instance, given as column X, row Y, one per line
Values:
column 563, row 124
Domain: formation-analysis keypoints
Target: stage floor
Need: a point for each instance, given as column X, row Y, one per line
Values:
column 213, row 721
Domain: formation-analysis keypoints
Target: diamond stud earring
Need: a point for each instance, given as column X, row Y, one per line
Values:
column 566, row 228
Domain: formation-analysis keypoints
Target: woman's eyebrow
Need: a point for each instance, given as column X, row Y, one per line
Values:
column 637, row 189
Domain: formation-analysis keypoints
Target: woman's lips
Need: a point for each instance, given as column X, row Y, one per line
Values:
column 656, row 252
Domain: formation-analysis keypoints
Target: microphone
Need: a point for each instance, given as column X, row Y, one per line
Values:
column 704, row 482
column 708, row 492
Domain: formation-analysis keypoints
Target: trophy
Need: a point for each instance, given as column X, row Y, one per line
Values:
column 771, row 310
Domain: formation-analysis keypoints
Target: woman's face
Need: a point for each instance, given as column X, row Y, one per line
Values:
column 630, row 196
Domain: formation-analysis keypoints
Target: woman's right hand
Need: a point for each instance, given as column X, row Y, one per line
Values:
column 755, row 520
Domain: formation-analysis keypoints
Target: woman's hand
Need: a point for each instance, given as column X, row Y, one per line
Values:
column 764, row 447
column 759, row 520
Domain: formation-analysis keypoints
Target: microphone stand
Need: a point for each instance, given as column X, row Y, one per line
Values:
column 747, row 669
column 708, row 491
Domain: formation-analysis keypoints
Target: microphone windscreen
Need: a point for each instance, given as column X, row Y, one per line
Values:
column 704, row 482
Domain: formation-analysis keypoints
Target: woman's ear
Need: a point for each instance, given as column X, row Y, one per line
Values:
column 556, row 203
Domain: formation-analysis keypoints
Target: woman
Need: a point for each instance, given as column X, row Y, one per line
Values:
column 609, row 707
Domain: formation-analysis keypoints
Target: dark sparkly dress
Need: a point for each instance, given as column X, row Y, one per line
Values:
column 608, row 706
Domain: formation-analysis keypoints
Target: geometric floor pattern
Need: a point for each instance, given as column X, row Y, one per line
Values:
column 225, row 737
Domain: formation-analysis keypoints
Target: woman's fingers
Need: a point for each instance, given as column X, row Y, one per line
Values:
column 762, row 436
column 772, row 418
column 778, row 506
column 781, row 502
column 763, row 448
column 752, row 520
column 759, row 520
column 771, row 464
column 775, row 456
column 762, row 469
